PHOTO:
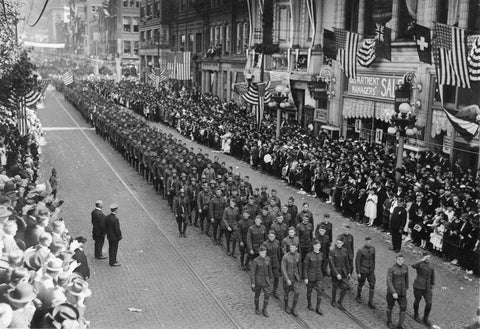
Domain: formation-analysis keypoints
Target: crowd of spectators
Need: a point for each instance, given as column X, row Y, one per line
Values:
column 358, row 178
column 43, row 271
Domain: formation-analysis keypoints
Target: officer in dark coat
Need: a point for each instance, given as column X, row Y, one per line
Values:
column 365, row 268
column 422, row 287
column 261, row 277
column 114, row 234
column 397, row 285
column 398, row 219
column 98, row 230
column 313, row 275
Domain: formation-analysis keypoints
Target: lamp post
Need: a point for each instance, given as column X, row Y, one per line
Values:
column 402, row 123
column 279, row 101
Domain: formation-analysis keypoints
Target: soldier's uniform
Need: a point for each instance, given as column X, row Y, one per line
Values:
column 422, row 287
column 256, row 235
column 313, row 272
column 291, row 264
column 365, row 267
column 181, row 210
column 261, row 277
column 274, row 252
column 339, row 264
column 397, row 282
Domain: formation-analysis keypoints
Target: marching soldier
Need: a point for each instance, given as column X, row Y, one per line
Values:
column 261, row 277
column 274, row 252
column 280, row 228
column 340, row 272
column 181, row 211
column 348, row 244
column 305, row 236
column 231, row 216
column 365, row 267
column 203, row 203
column 423, row 286
column 256, row 235
column 242, row 232
column 313, row 275
column 291, row 277
column 397, row 285
column 290, row 239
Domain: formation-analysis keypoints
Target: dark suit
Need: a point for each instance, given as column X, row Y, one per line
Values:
column 98, row 230
column 398, row 220
column 114, row 235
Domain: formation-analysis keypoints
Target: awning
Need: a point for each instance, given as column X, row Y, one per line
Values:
column 365, row 109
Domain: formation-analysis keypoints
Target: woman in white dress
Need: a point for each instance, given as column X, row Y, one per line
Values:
column 371, row 206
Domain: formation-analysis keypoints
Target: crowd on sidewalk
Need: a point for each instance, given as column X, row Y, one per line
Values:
column 358, row 178
column 274, row 238
column 43, row 271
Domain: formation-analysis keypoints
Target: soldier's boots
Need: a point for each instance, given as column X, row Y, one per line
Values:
column 370, row 299
column 287, row 309
column 359, row 296
column 318, row 309
column 309, row 301
column 401, row 320
column 265, row 305
column 294, row 307
column 257, row 308
column 389, row 319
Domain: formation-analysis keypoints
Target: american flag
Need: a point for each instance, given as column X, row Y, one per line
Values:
column 172, row 69
column 67, row 78
column 465, row 128
column 347, row 44
column 22, row 122
column 36, row 93
column 262, row 88
column 252, row 95
column 183, row 66
column 451, row 56
column 366, row 52
column 474, row 60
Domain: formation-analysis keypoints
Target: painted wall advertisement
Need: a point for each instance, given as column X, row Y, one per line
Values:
column 376, row 86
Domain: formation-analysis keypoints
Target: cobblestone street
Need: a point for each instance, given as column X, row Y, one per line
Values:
column 190, row 283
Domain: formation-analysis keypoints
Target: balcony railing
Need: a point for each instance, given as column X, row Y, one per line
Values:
column 152, row 44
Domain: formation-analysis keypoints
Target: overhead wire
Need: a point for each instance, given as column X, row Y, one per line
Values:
column 28, row 17
column 41, row 14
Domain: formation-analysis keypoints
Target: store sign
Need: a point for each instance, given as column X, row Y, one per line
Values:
column 447, row 144
column 376, row 86
column 320, row 115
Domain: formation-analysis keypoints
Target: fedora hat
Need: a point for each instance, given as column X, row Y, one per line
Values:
column 54, row 265
column 57, row 246
column 79, row 287
column 64, row 312
column 34, row 260
column 22, row 293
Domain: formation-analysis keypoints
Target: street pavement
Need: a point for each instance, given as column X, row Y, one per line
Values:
column 190, row 283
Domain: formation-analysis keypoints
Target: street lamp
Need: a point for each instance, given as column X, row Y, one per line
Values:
column 402, row 123
column 279, row 101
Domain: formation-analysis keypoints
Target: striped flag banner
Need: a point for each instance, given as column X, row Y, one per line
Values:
column 171, row 68
column 474, row 60
column 251, row 96
column 366, row 52
column 465, row 128
column 183, row 67
column 451, row 56
column 37, row 93
column 67, row 78
column 262, row 88
column 22, row 117
column 347, row 44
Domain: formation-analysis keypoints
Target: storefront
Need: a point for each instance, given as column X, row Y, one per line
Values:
column 368, row 104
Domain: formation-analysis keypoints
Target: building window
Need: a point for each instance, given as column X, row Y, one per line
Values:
column 351, row 15
column 218, row 37
column 125, row 3
column 149, row 35
column 227, row 38
column 156, row 35
column 283, row 23
column 126, row 24
column 246, row 37
column 212, row 35
column 198, row 43
column 136, row 45
column 142, row 36
column 173, row 42
column 149, row 11
column 164, row 34
column 137, row 4
column 183, row 5
column 142, row 12
column 182, row 42
column 190, row 42
column 127, row 47
column 239, row 38
column 156, row 9
column 135, row 24
column 474, row 16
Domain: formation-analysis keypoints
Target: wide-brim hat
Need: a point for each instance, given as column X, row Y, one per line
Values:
column 79, row 287
column 54, row 265
column 22, row 293
column 34, row 260
column 4, row 212
column 64, row 312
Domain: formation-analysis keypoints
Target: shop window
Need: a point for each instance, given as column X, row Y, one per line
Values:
column 449, row 94
column 351, row 15
column 198, row 43
column 135, row 24
column 474, row 16
column 126, row 24
column 127, row 47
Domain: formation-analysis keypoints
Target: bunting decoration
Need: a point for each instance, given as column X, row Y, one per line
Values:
column 22, row 117
column 451, row 56
column 36, row 93
column 67, row 78
column 366, row 52
column 347, row 43
column 251, row 96
column 383, row 35
column 423, row 42
column 474, row 60
column 261, row 103
column 465, row 128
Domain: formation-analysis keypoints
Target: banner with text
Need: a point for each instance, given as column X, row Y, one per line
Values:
column 376, row 86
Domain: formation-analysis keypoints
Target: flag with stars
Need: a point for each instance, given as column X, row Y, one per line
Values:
column 347, row 44
column 450, row 56
column 383, row 35
column 423, row 40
